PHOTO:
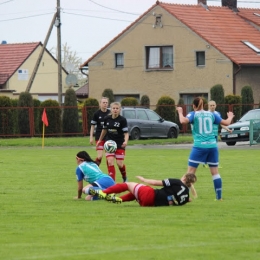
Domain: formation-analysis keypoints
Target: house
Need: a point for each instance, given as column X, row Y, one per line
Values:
column 181, row 51
column 17, row 65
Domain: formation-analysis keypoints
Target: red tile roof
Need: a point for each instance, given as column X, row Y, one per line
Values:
column 219, row 26
column 12, row 56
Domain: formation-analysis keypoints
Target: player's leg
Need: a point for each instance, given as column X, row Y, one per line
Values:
column 216, row 178
column 120, row 156
column 110, row 165
column 86, row 191
column 197, row 156
column 99, row 150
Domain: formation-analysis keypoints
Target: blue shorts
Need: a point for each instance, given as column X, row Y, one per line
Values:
column 104, row 182
column 203, row 155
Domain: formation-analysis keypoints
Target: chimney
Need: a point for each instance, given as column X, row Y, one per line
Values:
column 232, row 4
column 202, row 1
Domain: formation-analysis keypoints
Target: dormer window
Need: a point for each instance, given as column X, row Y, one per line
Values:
column 252, row 46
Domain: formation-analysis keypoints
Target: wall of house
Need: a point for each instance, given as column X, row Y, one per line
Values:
column 249, row 76
column 135, row 79
column 46, row 80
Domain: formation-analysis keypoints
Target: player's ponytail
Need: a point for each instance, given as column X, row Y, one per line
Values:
column 198, row 104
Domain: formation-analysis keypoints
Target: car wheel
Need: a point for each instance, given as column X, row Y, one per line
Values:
column 135, row 134
column 230, row 143
column 172, row 133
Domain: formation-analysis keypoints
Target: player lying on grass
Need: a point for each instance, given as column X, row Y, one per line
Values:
column 174, row 192
column 89, row 171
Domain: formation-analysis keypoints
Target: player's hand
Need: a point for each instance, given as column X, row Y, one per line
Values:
column 179, row 109
column 91, row 140
column 124, row 144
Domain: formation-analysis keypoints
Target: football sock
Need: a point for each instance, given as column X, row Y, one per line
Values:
column 217, row 181
column 112, row 172
column 128, row 197
column 123, row 172
column 117, row 188
column 98, row 161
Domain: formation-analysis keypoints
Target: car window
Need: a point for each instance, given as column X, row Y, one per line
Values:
column 129, row 114
column 152, row 115
column 255, row 114
column 141, row 115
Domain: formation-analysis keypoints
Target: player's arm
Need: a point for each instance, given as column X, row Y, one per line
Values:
column 102, row 135
column 227, row 121
column 150, row 181
column 91, row 134
column 126, row 138
column 183, row 119
column 80, row 187
column 226, row 128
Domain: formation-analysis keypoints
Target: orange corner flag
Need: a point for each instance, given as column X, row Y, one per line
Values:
column 44, row 117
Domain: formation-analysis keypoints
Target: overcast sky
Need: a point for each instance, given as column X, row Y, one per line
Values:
column 87, row 25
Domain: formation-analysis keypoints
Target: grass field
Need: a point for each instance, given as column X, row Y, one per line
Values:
column 40, row 219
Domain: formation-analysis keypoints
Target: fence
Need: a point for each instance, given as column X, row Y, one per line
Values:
column 26, row 121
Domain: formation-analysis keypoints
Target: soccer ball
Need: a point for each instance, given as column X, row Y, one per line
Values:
column 110, row 146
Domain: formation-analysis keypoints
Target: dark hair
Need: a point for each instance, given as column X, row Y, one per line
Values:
column 85, row 156
column 190, row 178
column 198, row 103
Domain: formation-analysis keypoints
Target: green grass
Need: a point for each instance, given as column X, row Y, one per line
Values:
column 84, row 141
column 40, row 219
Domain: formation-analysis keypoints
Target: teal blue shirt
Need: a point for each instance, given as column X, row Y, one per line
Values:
column 89, row 171
column 202, row 126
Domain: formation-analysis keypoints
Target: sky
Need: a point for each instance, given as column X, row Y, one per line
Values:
column 86, row 25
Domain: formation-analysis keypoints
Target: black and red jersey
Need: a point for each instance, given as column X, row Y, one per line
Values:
column 116, row 127
column 98, row 120
column 174, row 188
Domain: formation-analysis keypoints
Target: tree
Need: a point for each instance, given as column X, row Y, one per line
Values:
column 71, row 62
column 109, row 94
column 217, row 94
column 6, row 116
column 70, row 113
column 145, row 101
column 26, row 101
column 247, row 99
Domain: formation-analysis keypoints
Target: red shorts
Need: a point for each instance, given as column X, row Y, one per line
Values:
column 101, row 145
column 144, row 195
column 119, row 154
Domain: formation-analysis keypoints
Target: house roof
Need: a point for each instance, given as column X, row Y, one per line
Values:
column 221, row 27
column 12, row 56
column 82, row 91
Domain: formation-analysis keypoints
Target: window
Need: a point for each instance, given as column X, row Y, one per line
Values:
column 159, row 57
column 200, row 58
column 119, row 57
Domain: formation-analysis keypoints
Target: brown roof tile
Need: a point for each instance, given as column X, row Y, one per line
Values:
column 12, row 56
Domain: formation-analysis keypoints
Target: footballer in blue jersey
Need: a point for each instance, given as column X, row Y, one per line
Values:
column 89, row 171
column 205, row 149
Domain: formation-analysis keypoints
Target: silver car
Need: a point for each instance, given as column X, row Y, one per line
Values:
column 241, row 129
column 145, row 123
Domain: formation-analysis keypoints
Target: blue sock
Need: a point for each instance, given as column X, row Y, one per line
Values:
column 217, row 181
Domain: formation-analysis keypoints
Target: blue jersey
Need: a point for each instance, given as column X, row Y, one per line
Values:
column 215, row 126
column 202, row 126
column 90, row 172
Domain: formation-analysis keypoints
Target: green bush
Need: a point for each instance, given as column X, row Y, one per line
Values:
column 37, row 115
column 235, row 101
column 166, row 108
column 70, row 119
column 91, row 105
column 217, row 94
column 53, row 112
column 247, row 99
column 25, row 103
column 15, row 116
column 109, row 94
column 145, row 101
column 6, row 116
column 129, row 101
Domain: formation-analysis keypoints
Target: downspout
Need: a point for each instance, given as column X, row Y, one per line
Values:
column 234, row 79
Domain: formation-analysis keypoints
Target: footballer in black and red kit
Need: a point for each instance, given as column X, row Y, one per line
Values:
column 115, row 128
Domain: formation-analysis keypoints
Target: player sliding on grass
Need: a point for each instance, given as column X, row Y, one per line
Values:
column 174, row 192
column 89, row 171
